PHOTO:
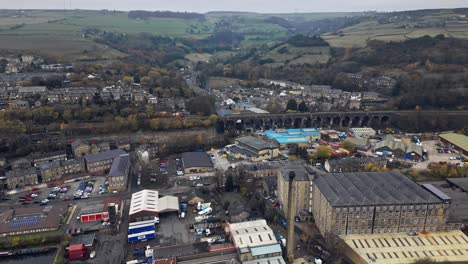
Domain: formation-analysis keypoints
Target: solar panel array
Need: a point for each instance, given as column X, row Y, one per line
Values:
column 24, row 222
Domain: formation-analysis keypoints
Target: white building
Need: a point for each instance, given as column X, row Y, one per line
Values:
column 146, row 203
column 364, row 132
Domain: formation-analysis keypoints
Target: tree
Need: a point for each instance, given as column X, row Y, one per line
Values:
column 348, row 145
column 128, row 80
column 323, row 153
column 303, row 107
column 213, row 118
column 292, row 105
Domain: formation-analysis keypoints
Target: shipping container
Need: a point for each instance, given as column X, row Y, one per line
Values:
column 141, row 236
column 141, row 228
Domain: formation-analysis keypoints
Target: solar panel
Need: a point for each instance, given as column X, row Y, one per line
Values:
column 24, row 222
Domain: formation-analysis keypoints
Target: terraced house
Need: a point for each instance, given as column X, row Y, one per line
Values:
column 21, row 177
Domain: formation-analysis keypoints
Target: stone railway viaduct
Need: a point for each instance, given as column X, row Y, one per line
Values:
column 413, row 121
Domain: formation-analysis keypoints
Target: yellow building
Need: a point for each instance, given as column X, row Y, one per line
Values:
column 401, row 248
column 302, row 184
column 375, row 202
column 253, row 149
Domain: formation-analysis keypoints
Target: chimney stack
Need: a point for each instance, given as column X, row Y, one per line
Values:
column 291, row 214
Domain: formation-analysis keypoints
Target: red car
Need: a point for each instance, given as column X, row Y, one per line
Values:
column 26, row 203
column 35, row 189
column 28, row 195
column 276, row 205
column 66, row 198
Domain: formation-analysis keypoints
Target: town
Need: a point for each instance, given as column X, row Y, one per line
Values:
column 228, row 137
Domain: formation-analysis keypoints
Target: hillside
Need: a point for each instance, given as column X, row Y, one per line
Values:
column 401, row 26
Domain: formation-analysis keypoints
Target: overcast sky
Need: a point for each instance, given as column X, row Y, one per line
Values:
column 264, row 6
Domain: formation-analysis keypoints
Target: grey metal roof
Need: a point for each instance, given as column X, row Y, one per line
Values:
column 300, row 171
column 372, row 188
column 120, row 166
column 49, row 165
column 254, row 143
column 112, row 154
column 461, row 183
column 196, row 159
column 436, row 192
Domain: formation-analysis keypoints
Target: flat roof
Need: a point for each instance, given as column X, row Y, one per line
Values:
column 291, row 139
column 461, row 183
column 252, row 234
column 196, row 159
column 372, row 188
column 458, row 140
column 393, row 248
column 264, row 250
column 300, row 171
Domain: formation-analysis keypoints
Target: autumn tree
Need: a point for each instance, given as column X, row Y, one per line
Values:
column 348, row 145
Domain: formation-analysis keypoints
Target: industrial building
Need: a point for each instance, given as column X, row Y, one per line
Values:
column 376, row 202
column 101, row 162
column 253, row 149
column 300, row 137
column 26, row 220
column 254, row 241
column 456, row 141
column 146, row 204
column 402, row 248
column 362, row 132
column 196, row 162
column 302, row 185
column 354, row 164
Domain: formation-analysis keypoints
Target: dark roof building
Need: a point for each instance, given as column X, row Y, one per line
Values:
column 372, row 188
column 101, row 156
column 196, row 162
column 378, row 202
column 254, row 143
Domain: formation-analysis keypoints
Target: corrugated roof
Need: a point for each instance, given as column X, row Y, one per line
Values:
column 400, row 248
column 252, row 233
column 458, row 140
column 254, row 143
column 372, row 188
column 264, row 250
column 291, row 139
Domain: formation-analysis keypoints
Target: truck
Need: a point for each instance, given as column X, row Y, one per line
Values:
column 155, row 220
column 132, row 238
column 183, row 207
column 141, row 228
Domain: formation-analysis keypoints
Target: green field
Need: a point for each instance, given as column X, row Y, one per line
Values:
column 359, row 34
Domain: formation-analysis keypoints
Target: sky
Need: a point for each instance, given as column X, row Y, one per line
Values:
column 261, row 6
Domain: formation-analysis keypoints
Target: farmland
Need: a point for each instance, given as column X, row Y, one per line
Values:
column 431, row 23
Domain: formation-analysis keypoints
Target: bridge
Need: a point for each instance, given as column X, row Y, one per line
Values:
column 408, row 120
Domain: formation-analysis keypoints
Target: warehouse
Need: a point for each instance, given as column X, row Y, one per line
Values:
column 458, row 142
column 254, row 240
column 196, row 162
column 375, row 202
column 92, row 213
column 401, row 248
column 259, row 149
column 146, row 204
column 363, row 132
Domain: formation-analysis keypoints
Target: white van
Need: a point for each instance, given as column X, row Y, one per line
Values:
column 208, row 210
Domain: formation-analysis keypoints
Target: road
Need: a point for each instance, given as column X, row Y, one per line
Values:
column 222, row 164
column 221, row 259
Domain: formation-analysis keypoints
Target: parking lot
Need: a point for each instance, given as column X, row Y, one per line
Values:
column 437, row 153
